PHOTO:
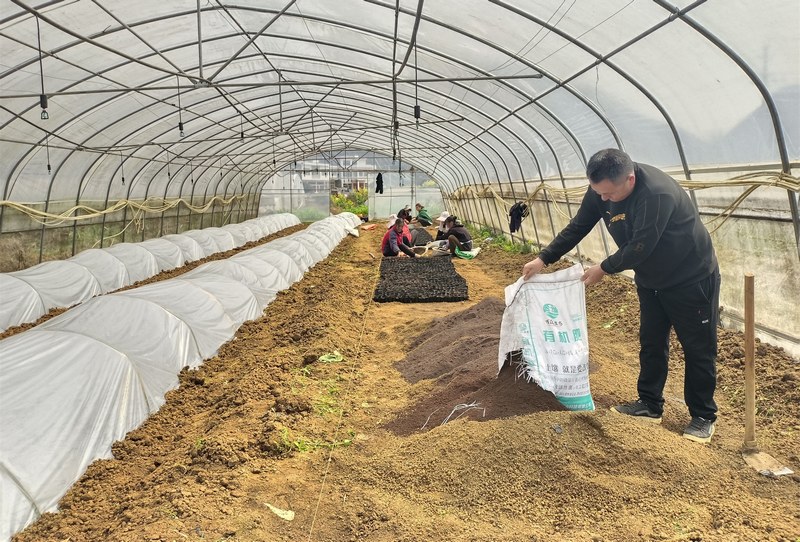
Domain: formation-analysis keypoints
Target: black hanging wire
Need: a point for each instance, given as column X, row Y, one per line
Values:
column 241, row 127
column 313, row 133
column 122, row 168
column 180, row 116
column 47, row 147
column 399, row 163
column 417, row 109
column 280, row 101
column 395, row 124
column 168, row 173
column 42, row 96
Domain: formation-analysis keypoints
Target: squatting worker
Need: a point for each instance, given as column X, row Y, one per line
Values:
column 393, row 242
column 457, row 235
column 660, row 236
column 423, row 217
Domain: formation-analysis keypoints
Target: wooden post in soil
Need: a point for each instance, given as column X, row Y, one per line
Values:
column 749, row 365
column 762, row 462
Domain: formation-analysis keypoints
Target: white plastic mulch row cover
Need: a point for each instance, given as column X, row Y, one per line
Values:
column 80, row 381
column 30, row 293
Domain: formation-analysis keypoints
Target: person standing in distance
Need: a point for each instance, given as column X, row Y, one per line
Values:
column 661, row 238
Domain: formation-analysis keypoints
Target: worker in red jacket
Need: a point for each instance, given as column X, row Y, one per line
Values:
column 394, row 242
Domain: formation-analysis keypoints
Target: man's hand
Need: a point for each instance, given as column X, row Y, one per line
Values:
column 593, row 275
column 531, row 268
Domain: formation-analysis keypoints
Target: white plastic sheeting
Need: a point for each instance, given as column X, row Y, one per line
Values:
column 109, row 271
column 300, row 253
column 241, row 236
column 168, row 255
column 30, row 293
column 59, row 283
column 80, row 381
column 191, row 248
column 140, row 262
column 27, row 305
column 203, row 238
column 223, row 238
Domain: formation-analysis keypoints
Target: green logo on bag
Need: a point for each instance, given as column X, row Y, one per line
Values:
column 550, row 310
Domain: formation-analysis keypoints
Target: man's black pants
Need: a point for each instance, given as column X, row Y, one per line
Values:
column 693, row 311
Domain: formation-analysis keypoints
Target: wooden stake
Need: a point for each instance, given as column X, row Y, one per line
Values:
column 749, row 364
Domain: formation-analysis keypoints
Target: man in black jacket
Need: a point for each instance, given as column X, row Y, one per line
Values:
column 660, row 236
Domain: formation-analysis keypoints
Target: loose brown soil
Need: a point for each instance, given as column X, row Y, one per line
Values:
column 265, row 428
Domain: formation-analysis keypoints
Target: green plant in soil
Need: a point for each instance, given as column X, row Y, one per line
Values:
column 299, row 443
column 485, row 237
column 354, row 202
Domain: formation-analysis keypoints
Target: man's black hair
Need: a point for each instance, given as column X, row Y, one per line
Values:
column 608, row 164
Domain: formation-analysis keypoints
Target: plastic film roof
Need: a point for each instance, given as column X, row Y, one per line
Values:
column 508, row 89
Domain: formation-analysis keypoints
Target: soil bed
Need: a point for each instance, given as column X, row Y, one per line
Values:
column 266, row 424
column 420, row 280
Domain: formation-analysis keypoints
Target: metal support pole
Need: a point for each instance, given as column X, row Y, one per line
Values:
column 749, row 364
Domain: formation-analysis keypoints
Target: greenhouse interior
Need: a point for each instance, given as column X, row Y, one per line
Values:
column 203, row 337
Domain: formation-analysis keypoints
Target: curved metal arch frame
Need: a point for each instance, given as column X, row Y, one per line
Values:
column 780, row 140
column 478, row 162
column 193, row 169
column 772, row 112
column 417, row 14
column 233, row 140
column 543, row 138
column 339, row 23
column 524, row 94
column 499, row 105
column 674, row 14
column 211, row 165
column 132, row 132
column 523, row 120
column 496, row 174
column 682, row 15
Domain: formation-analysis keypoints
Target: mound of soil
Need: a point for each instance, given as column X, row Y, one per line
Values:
column 459, row 352
column 422, row 237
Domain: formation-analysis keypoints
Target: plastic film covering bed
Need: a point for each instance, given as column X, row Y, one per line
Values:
column 82, row 380
column 30, row 293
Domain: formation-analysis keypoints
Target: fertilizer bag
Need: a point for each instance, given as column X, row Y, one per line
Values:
column 545, row 319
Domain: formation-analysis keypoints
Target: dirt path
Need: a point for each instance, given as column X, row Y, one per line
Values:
column 265, row 423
